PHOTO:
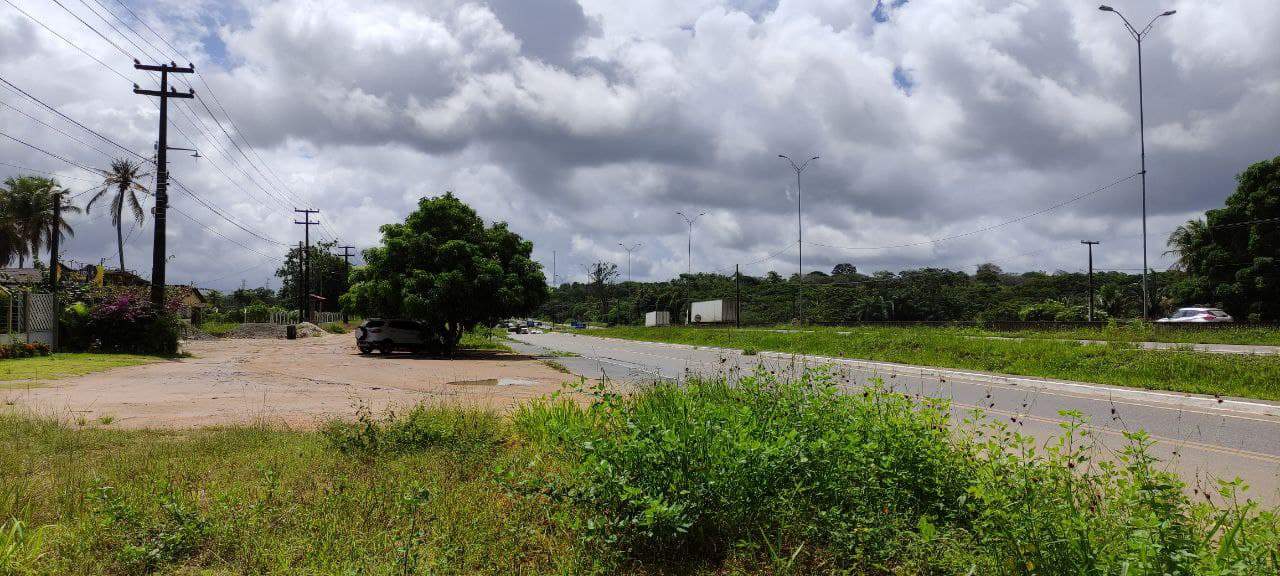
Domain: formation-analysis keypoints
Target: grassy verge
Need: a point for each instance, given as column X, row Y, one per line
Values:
column 1146, row 333
column 1120, row 364
column 219, row 328
column 483, row 339
column 758, row 477
column 68, row 364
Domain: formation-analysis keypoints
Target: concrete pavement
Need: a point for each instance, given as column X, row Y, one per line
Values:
column 1202, row 438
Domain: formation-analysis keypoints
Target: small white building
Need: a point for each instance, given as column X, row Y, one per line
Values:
column 657, row 318
column 713, row 312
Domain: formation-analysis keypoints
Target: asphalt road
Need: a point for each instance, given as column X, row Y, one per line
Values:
column 1202, row 438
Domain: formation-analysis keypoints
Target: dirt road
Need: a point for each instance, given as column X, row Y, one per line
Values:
column 296, row 382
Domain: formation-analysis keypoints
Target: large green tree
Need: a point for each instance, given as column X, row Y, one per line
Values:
column 328, row 275
column 1231, row 255
column 443, row 267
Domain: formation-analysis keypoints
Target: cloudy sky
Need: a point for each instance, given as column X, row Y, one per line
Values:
column 946, row 128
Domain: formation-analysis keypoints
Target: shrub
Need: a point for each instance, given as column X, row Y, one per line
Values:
column 876, row 482
column 121, row 320
column 23, row 350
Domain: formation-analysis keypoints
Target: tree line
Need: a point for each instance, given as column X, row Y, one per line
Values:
column 1227, row 259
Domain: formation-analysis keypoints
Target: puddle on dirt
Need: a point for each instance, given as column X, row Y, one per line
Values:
column 492, row 382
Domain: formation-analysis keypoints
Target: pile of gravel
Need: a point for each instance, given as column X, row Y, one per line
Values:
column 266, row 330
column 256, row 330
column 307, row 330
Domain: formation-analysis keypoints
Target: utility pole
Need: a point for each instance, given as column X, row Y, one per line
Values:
column 799, row 231
column 1142, row 142
column 346, row 282
column 158, row 256
column 302, row 298
column 737, row 297
column 553, row 269
column 690, row 221
column 630, row 249
column 54, row 236
column 306, row 259
column 1090, row 244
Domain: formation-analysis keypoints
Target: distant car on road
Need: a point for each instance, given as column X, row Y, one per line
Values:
column 387, row 336
column 577, row 325
column 1197, row 315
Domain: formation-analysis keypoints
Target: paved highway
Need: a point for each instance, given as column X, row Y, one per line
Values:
column 1202, row 438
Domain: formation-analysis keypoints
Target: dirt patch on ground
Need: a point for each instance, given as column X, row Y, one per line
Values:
column 299, row 383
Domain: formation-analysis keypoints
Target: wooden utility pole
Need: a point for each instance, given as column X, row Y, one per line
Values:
column 158, row 258
column 306, row 261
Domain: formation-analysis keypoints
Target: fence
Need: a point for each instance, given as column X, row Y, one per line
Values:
column 27, row 317
column 326, row 317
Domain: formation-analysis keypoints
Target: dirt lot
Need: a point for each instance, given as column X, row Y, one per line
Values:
column 295, row 382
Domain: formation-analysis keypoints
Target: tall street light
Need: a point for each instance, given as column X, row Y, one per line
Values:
column 799, row 231
column 1138, row 36
column 629, row 250
column 690, row 221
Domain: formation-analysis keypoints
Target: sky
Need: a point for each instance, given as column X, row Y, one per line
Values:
column 950, row 132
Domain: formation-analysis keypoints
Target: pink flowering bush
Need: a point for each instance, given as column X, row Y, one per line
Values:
column 122, row 319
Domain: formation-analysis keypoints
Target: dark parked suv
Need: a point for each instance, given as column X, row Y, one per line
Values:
column 387, row 336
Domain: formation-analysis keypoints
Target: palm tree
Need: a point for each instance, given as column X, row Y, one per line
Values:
column 30, row 207
column 125, row 179
column 10, row 242
column 1186, row 241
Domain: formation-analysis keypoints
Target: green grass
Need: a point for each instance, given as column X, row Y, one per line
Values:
column 65, row 365
column 1139, row 332
column 757, row 476
column 334, row 328
column 219, row 328
column 1117, row 363
column 483, row 339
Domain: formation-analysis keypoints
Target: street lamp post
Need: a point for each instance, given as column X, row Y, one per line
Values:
column 690, row 221
column 1142, row 141
column 799, row 232
column 630, row 249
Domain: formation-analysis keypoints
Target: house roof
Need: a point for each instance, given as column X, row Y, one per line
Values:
column 20, row 276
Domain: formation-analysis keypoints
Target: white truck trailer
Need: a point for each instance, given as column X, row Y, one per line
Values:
column 657, row 318
column 713, row 312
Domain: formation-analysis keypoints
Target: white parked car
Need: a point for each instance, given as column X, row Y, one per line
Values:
column 387, row 336
column 1184, row 315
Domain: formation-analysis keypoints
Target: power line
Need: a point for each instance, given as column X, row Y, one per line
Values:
column 64, row 39
column 46, row 172
column 55, row 129
column 72, row 120
column 48, row 153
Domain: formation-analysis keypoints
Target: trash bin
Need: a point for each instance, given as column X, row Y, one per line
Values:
column 291, row 332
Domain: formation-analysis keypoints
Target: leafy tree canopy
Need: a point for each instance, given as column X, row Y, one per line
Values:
column 443, row 267
column 1231, row 255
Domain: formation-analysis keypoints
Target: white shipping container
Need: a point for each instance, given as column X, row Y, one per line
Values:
column 657, row 318
column 713, row 312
